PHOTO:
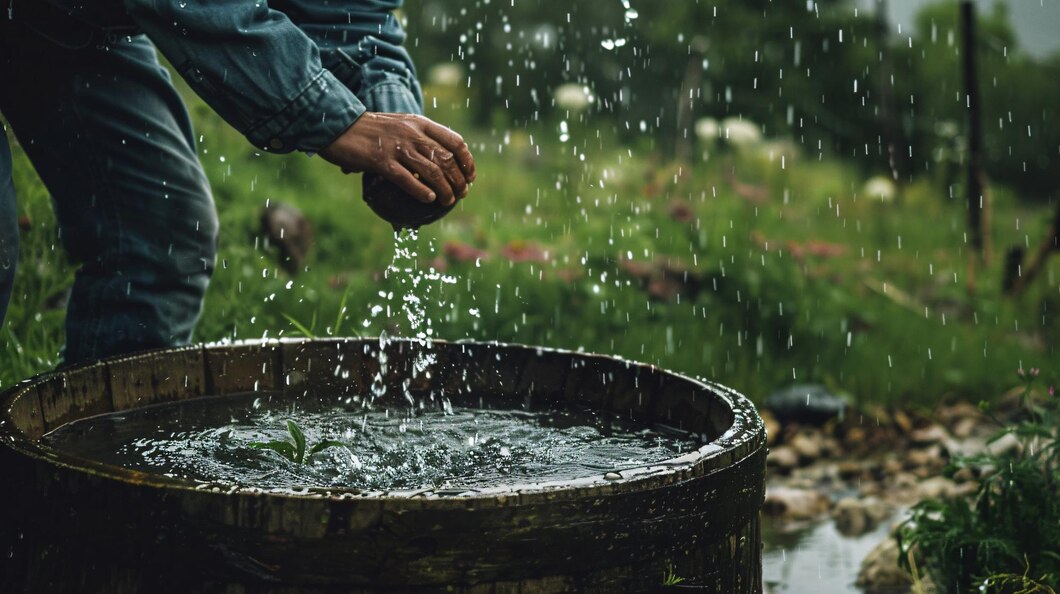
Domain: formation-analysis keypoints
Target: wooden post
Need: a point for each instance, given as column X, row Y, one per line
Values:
column 978, row 202
column 1020, row 278
column 690, row 86
column 885, row 88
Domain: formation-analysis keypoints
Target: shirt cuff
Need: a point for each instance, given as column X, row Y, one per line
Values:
column 321, row 112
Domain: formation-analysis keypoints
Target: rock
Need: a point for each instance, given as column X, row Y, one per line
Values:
column 952, row 414
column 772, row 427
column 903, row 421
column 903, row 481
column 854, row 517
column 783, row 458
column 892, row 466
column 1005, row 445
column 830, row 446
column 929, row 435
column 848, row 470
column 880, row 571
column 794, row 504
column 964, row 475
column 870, row 489
column 819, row 475
column 854, row 437
column 964, row 428
column 937, row 487
column 808, row 445
column 930, row 458
column 288, row 229
column 812, row 404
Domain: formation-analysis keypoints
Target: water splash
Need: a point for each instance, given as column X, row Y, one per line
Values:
column 205, row 440
column 415, row 289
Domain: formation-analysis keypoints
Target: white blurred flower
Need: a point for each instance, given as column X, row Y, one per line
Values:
column 446, row 74
column 779, row 149
column 881, row 188
column 707, row 129
column 572, row 96
column 738, row 132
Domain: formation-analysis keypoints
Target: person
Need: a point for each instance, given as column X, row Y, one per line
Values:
column 84, row 93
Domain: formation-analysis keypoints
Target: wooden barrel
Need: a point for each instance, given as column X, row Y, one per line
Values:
column 77, row 525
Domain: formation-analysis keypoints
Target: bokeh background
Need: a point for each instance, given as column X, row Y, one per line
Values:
column 762, row 193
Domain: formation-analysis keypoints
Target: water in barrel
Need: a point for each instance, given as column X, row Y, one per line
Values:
column 219, row 440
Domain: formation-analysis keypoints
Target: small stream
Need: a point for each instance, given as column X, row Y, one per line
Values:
column 815, row 558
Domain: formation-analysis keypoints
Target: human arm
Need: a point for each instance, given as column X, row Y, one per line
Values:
column 264, row 76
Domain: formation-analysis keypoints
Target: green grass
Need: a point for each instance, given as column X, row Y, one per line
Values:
column 757, row 319
column 1006, row 539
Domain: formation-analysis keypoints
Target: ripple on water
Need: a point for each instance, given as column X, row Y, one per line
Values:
column 205, row 440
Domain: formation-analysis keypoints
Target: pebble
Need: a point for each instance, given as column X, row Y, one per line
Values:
column 880, row 571
column 854, row 516
column 795, row 504
column 810, row 403
column 782, row 458
column 929, row 435
column 807, row 444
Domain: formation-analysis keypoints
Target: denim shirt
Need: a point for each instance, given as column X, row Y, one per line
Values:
column 288, row 74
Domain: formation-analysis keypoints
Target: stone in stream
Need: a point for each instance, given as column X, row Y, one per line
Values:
column 811, row 404
column 931, row 435
column 880, row 572
column 808, row 444
column 783, row 458
column 940, row 487
column 926, row 461
column 855, row 516
column 795, row 504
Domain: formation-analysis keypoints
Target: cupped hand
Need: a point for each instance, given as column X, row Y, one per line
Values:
column 427, row 160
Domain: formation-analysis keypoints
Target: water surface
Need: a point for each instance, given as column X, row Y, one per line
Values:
column 206, row 440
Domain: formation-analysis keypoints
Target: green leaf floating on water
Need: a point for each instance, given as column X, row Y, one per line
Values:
column 295, row 450
column 299, row 442
column 280, row 447
column 330, row 443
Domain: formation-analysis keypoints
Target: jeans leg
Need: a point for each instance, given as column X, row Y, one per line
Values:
column 111, row 139
column 8, row 228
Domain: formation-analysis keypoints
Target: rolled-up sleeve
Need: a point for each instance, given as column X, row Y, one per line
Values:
column 254, row 67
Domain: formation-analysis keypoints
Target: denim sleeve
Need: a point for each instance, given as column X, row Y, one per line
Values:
column 361, row 42
column 253, row 66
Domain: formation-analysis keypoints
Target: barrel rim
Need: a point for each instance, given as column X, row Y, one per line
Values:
column 742, row 439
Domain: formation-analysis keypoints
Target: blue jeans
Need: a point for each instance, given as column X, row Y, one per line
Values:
column 111, row 139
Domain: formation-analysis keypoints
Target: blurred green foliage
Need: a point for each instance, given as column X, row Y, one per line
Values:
column 756, row 266
column 1007, row 540
column 827, row 75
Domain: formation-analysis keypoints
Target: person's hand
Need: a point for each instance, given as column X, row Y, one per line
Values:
column 425, row 159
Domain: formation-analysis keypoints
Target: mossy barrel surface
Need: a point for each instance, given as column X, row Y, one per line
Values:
column 72, row 524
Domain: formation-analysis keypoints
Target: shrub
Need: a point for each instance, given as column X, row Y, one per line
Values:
column 1007, row 540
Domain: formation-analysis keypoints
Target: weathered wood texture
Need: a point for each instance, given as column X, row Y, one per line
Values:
column 76, row 525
